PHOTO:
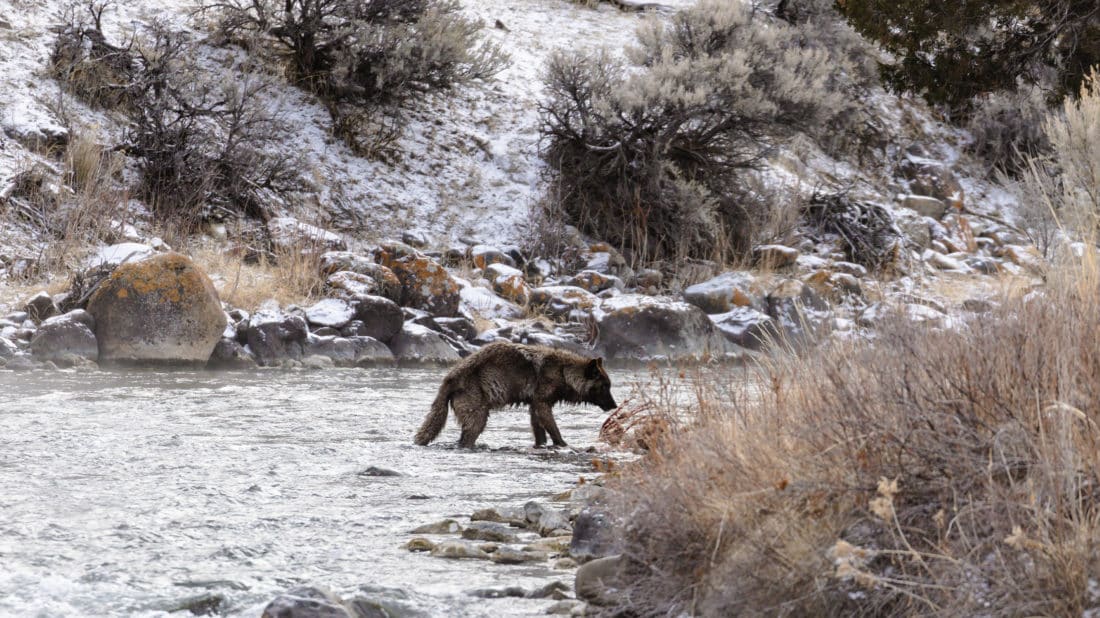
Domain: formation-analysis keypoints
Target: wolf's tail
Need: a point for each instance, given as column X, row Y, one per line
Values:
column 437, row 417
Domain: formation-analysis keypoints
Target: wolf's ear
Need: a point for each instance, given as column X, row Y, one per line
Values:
column 593, row 369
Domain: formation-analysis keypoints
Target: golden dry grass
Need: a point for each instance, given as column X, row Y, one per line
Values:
column 294, row 277
column 930, row 472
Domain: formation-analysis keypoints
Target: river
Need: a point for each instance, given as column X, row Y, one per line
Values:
column 121, row 493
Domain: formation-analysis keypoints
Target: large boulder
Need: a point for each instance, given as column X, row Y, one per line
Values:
column 479, row 301
column 66, row 339
column 800, row 313
column 381, row 317
column 420, row 344
column 425, row 284
column 162, row 309
column 274, row 336
column 600, row 581
column 330, row 312
column 508, row 282
column 594, row 536
column 645, row 327
column 746, row 327
column 722, row 293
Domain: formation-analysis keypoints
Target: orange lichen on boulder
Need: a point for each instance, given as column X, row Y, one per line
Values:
column 162, row 308
column 425, row 284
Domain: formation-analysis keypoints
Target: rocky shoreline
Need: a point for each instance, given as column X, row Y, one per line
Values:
column 400, row 304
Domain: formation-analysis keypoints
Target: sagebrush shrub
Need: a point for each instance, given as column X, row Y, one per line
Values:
column 652, row 153
column 364, row 57
column 206, row 146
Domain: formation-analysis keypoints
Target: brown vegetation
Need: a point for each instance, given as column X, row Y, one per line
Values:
column 931, row 472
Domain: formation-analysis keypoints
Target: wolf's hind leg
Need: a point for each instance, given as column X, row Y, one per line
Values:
column 545, row 416
column 536, row 428
column 472, row 413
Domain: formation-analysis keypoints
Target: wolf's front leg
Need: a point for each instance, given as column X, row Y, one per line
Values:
column 545, row 416
column 536, row 428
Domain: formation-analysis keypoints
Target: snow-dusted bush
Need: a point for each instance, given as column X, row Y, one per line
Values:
column 1063, row 189
column 652, row 154
column 363, row 56
column 206, row 146
column 1008, row 126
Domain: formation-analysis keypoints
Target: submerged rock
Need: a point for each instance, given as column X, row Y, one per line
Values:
column 459, row 550
column 489, row 531
column 508, row 555
column 446, row 526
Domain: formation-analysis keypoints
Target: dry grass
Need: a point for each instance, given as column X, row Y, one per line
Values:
column 934, row 472
column 293, row 277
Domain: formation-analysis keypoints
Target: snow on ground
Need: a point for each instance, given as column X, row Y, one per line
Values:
column 467, row 163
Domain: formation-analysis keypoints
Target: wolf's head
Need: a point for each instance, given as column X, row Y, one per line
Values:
column 597, row 386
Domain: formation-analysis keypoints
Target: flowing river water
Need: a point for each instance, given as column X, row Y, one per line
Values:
column 121, row 493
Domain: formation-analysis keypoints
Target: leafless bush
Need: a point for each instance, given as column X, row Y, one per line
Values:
column 932, row 472
column 1008, row 127
column 364, row 57
column 653, row 156
column 866, row 230
column 207, row 146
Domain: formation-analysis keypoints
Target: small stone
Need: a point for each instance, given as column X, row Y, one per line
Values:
column 419, row 544
column 376, row 471
column 446, row 526
column 459, row 550
column 507, row 555
column 924, row 205
column 317, row 362
column 565, row 563
column 550, row 591
column 489, row 531
column 567, row 607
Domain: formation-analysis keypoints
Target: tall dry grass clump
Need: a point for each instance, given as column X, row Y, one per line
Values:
column 932, row 472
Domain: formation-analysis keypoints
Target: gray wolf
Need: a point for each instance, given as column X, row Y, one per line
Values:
column 502, row 374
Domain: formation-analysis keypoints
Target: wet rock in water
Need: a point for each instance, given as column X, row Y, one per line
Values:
column 40, row 308
column 775, row 256
column 425, row 284
column 273, row 336
column 599, row 581
column 66, row 340
column 21, row 362
column 459, row 550
column 330, row 312
column 309, row 602
column 554, row 590
column 594, row 536
column 419, row 544
column 646, row 327
column 566, row 607
column 595, row 282
column 446, row 526
column 162, row 308
column 551, row 544
column 508, row 555
column 317, row 362
column 338, row 351
column 376, row 471
column 553, row 523
column 419, row 344
column 565, row 563
column 489, row 531
column 498, row 593
column 228, row 354
column 507, row 515
column 206, row 604
column 381, row 317
column 746, row 327
column 722, row 293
